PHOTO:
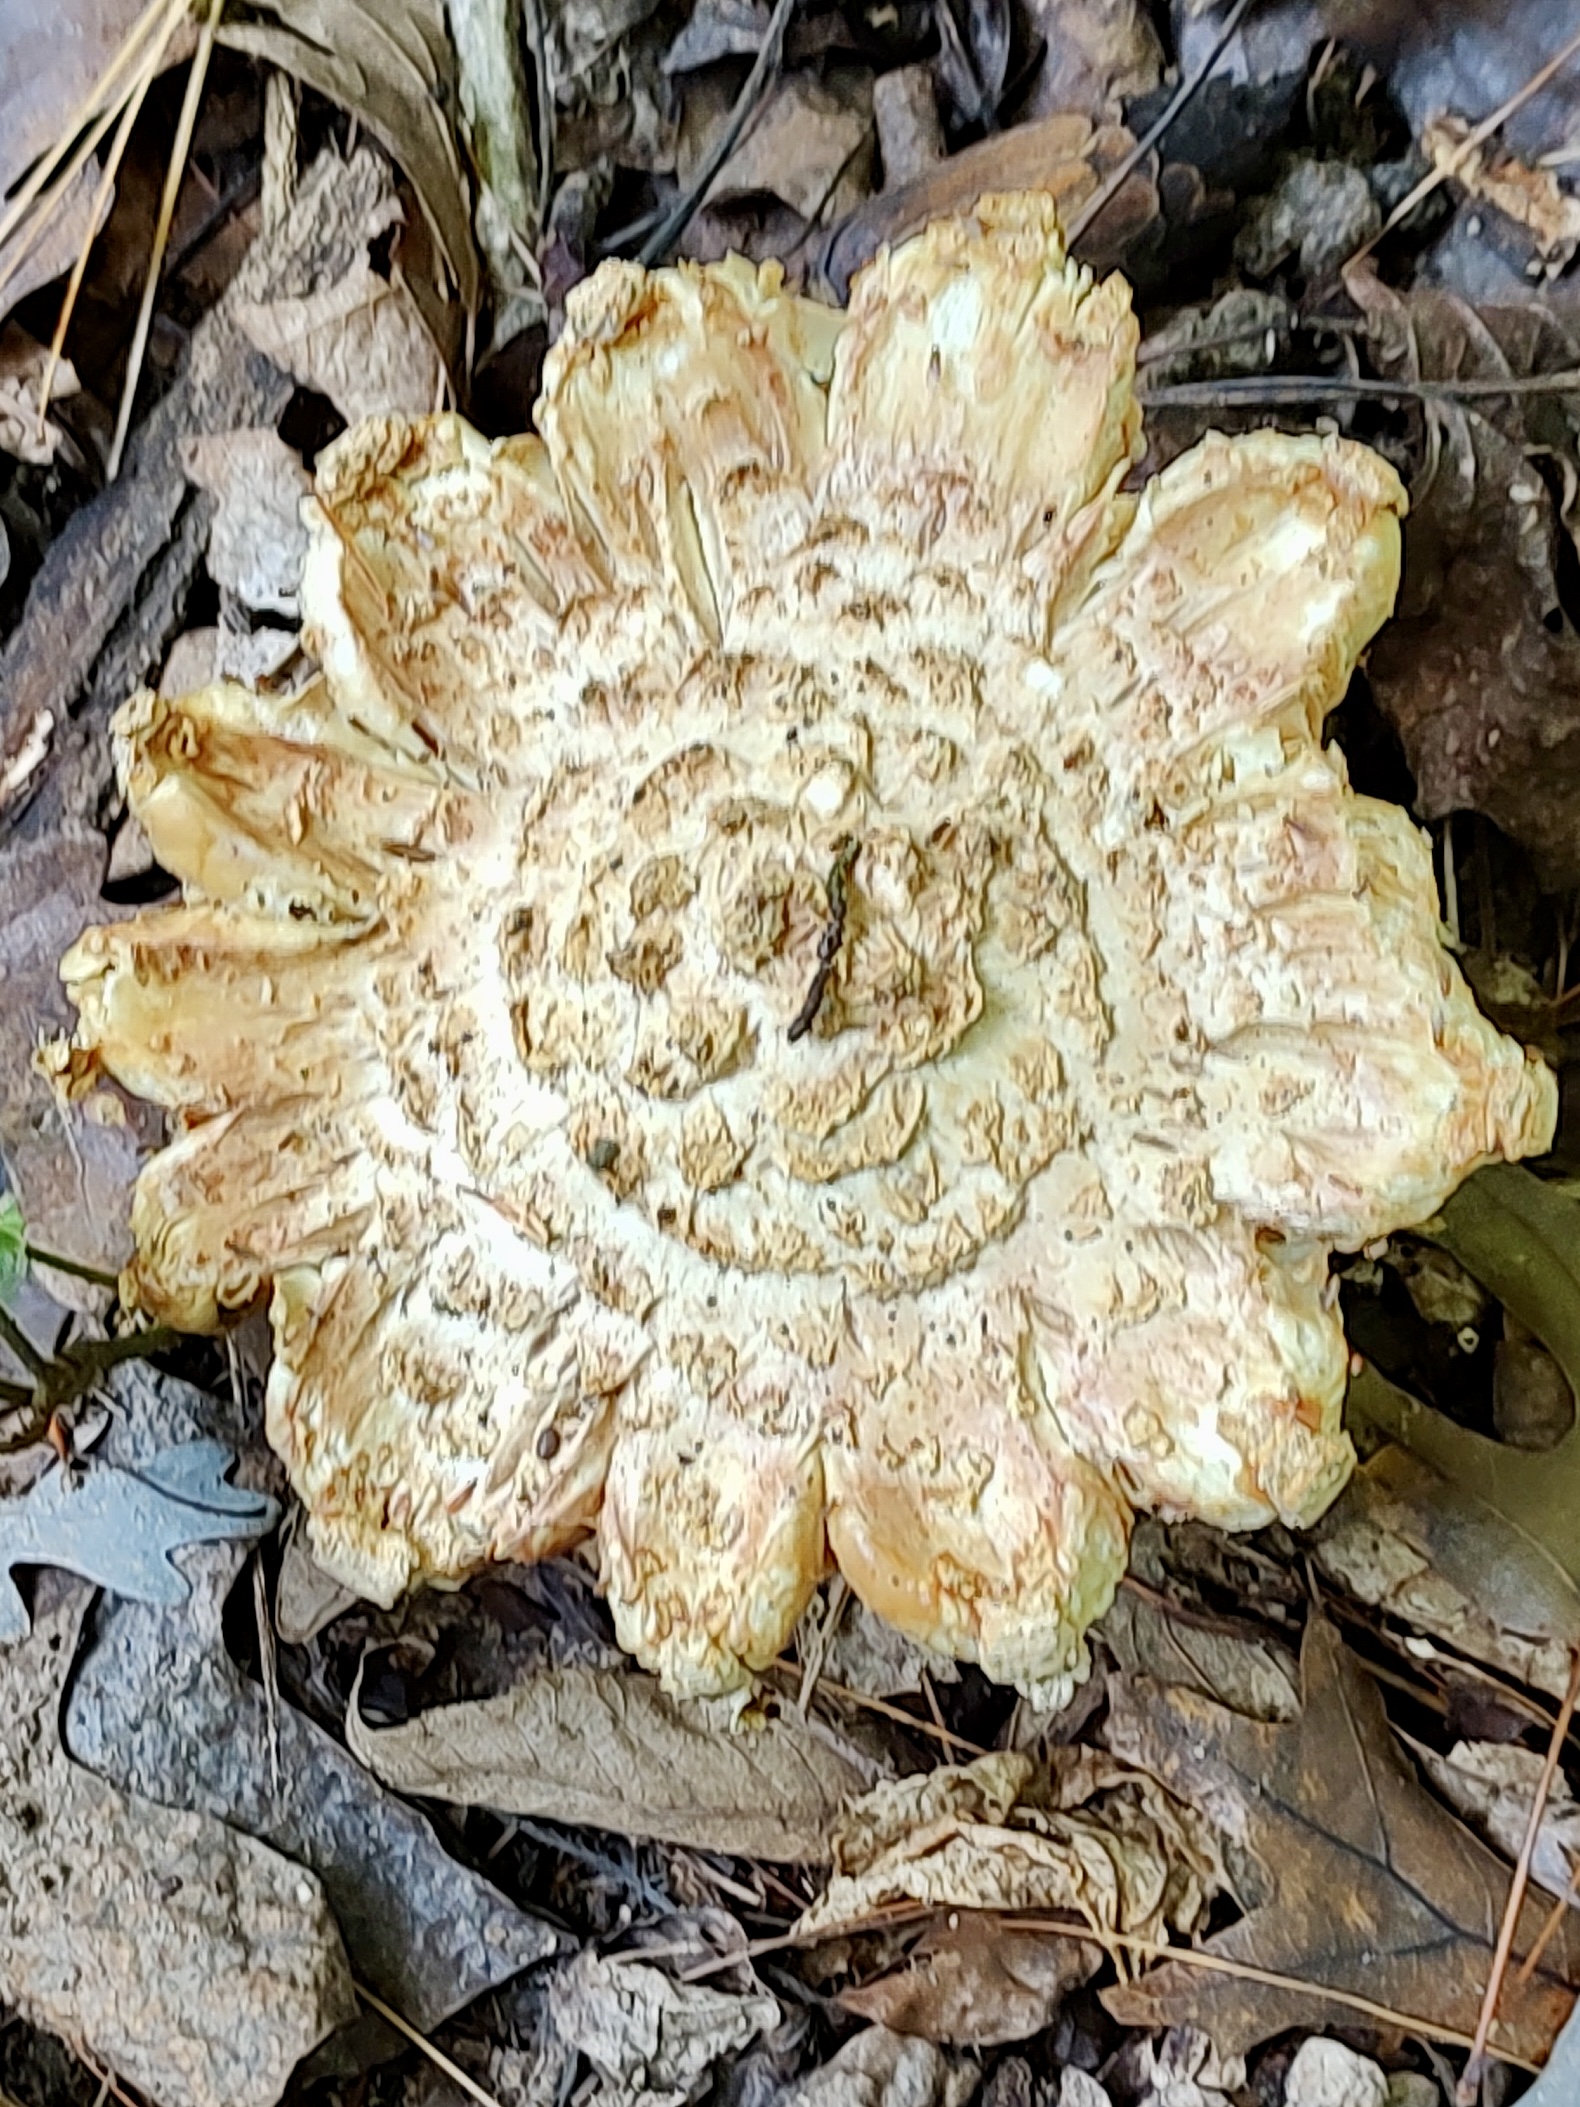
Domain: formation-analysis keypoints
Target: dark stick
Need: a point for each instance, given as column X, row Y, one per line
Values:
column 828, row 943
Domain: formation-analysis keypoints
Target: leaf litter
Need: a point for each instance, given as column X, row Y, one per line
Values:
column 1234, row 1773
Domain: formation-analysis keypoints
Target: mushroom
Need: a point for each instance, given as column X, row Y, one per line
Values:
column 802, row 986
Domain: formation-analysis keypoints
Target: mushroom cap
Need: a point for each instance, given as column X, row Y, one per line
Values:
column 803, row 984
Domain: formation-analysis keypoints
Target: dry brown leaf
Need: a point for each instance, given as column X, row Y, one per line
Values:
column 1100, row 54
column 1241, row 1669
column 1066, row 156
column 199, row 1964
column 1405, row 1541
column 22, row 365
column 1091, row 1835
column 1329, row 1808
column 257, row 541
column 976, row 1980
column 600, row 1746
column 71, row 1167
column 391, row 64
column 363, row 343
column 810, row 146
column 1532, row 197
column 26, row 264
column 1480, row 669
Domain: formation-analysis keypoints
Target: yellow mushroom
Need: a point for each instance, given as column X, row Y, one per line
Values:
column 803, row 985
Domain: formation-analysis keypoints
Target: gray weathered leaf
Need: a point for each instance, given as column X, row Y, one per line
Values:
column 198, row 1964
column 608, row 1748
column 652, row 2043
column 879, row 2068
column 257, row 541
column 119, row 1527
column 426, row 1933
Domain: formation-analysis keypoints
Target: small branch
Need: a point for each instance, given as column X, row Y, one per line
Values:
column 764, row 69
column 185, row 124
column 1121, row 172
column 1467, row 146
column 1258, row 390
column 56, row 1264
column 828, row 943
column 435, row 2056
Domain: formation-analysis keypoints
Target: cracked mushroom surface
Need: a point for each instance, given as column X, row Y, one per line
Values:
column 803, row 985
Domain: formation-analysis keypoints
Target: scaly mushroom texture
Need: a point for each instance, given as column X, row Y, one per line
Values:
column 803, row 983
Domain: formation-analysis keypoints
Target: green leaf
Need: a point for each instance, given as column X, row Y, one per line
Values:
column 13, row 1245
column 1535, row 1494
column 1521, row 1239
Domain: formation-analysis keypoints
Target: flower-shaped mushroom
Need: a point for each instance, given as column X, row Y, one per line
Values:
column 803, row 983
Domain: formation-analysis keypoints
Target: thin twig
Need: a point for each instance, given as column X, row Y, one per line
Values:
column 1555, row 1917
column 1125, row 168
column 879, row 1705
column 37, row 1256
column 764, row 67
column 436, row 2056
column 185, row 124
column 1468, row 145
column 952, row 1742
column 1271, row 389
column 1144, row 1949
column 1470, row 2076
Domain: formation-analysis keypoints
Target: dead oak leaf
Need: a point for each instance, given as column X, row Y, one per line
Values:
column 363, row 343
column 1368, row 1885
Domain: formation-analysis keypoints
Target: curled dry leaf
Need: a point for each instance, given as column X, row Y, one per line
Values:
column 1481, row 670
column 1064, row 156
column 1327, row 1807
column 597, row 1746
column 1092, row 1836
column 1098, row 55
column 810, row 145
column 392, row 65
column 651, row 2042
column 804, row 984
column 1492, row 1784
column 257, row 542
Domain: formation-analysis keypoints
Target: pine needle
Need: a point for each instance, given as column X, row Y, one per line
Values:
column 130, row 112
column 167, row 212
